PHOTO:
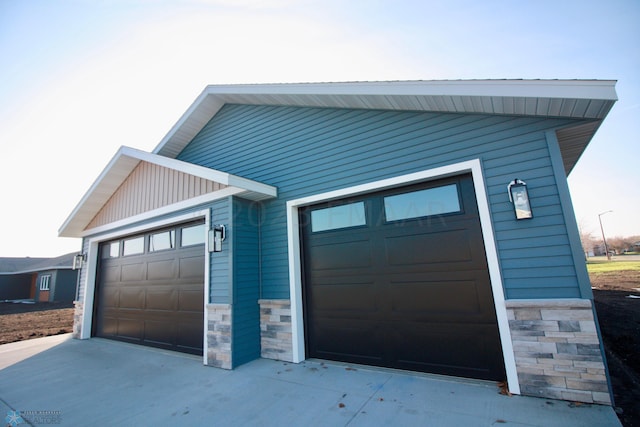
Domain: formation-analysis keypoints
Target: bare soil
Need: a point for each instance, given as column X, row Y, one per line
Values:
column 20, row 322
column 619, row 317
column 618, row 313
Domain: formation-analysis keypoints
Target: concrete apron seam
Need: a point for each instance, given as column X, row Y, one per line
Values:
column 366, row 402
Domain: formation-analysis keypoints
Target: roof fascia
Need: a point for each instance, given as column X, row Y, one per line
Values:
column 214, row 97
column 570, row 89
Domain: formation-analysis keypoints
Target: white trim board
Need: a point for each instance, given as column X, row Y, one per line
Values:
column 295, row 263
column 92, row 268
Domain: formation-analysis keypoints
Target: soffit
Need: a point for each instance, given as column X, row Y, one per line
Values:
column 575, row 99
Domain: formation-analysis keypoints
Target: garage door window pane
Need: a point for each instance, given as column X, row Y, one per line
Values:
column 133, row 246
column 111, row 250
column 162, row 241
column 432, row 201
column 336, row 217
column 193, row 235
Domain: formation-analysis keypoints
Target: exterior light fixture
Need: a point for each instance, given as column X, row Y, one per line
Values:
column 519, row 196
column 216, row 237
column 78, row 260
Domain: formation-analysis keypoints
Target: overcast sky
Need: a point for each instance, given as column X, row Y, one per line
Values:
column 80, row 78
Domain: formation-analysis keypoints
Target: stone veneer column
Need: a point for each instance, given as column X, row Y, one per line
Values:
column 275, row 329
column 557, row 350
column 219, row 336
column 77, row 319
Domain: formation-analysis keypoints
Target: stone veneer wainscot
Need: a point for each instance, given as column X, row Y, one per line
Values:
column 77, row 319
column 276, row 339
column 557, row 350
column 219, row 336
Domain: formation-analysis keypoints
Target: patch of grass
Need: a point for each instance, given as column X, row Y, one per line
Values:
column 596, row 267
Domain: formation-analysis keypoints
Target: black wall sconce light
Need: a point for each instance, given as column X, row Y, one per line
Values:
column 78, row 260
column 519, row 196
column 216, row 236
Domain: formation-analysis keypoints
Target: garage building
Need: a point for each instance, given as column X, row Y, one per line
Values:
column 420, row 225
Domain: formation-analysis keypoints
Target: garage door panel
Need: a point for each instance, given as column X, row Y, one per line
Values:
column 166, row 269
column 160, row 333
column 133, row 297
column 355, row 341
column 162, row 298
column 134, row 272
column 191, row 299
column 429, row 248
column 192, row 268
column 344, row 297
column 189, row 338
column 435, row 299
column 341, row 255
column 110, row 298
column 130, row 329
column 152, row 298
column 428, row 303
column 111, row 273
column 441, row 352
column 109, row 325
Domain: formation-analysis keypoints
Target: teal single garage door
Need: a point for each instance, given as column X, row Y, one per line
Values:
column 399, row 279
column 150, row 289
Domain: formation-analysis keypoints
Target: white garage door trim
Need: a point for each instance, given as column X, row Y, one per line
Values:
column 92, row 267
column 295, row 270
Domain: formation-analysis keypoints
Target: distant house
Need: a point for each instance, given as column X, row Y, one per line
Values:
column 424, row 226
column 39, row 279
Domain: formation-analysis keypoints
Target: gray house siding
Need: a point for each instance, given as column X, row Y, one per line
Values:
column 305, row 151
column 246, row 282
column 15, row 286
column 82, row 272
column 64, row 287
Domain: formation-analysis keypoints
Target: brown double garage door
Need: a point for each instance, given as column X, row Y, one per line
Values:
column 399, row 279
column 150, row 289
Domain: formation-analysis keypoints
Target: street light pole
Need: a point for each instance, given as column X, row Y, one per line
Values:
column 606, row 248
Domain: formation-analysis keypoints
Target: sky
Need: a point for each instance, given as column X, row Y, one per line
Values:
column 80, row 78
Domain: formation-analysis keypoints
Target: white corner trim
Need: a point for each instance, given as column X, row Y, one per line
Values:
column 90, row 278
column 295, row 270
column 495, row 275
column 207, row 285
column 295, row 282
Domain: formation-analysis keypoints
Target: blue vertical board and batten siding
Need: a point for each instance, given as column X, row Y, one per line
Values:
column 246, row 281
column 305, row 151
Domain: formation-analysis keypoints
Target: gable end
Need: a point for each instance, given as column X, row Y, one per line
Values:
column 150, row 187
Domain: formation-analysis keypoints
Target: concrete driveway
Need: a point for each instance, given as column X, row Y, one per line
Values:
column 58, row 380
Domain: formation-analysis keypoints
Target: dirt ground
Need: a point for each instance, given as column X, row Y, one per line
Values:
column 618, row 314
column 20, row 322
column 619, row 318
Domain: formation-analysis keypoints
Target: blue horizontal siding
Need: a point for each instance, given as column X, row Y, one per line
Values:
column 246, row 282
column 305, row 151
column 221, row 262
